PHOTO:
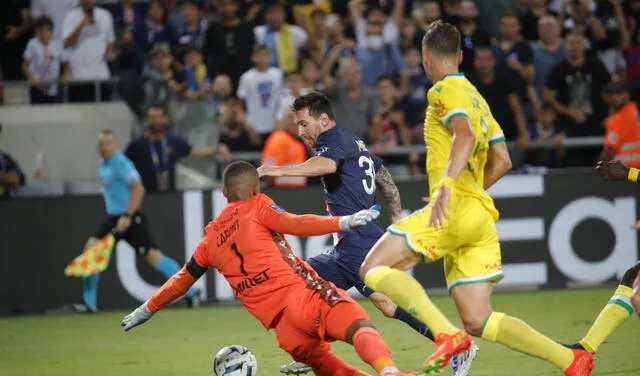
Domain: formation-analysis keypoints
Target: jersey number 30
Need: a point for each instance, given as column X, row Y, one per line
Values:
column 367, row 163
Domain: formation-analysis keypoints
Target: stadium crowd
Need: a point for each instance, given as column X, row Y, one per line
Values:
column 547, row 73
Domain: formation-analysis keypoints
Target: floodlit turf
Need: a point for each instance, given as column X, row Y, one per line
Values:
column 183, row 342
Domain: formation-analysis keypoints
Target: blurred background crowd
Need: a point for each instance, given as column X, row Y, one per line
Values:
column 554, row 72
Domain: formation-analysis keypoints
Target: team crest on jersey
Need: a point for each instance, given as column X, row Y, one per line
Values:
column 439, row 108
column 322, row 150
column 277, row 208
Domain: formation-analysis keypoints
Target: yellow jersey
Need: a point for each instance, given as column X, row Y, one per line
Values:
column 451, row 97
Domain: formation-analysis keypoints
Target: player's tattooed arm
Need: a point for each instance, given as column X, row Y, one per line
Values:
column 384, row 183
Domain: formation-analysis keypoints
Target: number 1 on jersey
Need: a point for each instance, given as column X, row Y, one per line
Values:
column 234, row 248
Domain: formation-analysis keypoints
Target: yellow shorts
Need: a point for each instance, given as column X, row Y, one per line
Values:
column 468, row 242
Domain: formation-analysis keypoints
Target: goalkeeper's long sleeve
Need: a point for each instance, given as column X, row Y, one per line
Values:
column 174, row 288
column 276, row 219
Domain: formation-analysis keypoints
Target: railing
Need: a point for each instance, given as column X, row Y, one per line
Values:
column 63, row 89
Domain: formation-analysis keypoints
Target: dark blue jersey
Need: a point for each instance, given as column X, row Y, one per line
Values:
column 353, row 186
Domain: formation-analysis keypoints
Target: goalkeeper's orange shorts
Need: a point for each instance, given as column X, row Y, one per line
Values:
column 308, row 324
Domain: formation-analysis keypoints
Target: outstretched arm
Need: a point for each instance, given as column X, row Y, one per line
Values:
column 388, row 189
column 314, row 166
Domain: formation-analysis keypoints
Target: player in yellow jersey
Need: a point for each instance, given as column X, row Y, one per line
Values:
column 466, row 155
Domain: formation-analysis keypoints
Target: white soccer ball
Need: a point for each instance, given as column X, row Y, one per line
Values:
column 235, row 360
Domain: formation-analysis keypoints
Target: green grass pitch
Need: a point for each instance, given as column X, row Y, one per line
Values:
column 183, row 342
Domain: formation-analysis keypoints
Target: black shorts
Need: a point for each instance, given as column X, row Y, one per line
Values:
column 138, row 235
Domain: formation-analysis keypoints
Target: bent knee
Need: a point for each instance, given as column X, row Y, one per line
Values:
column 384, row 304
column 474, row 325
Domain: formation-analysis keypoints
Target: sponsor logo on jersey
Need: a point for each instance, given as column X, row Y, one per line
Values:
column 225, row 234
column 277, row 208
column 439, row 108
column 252, row 281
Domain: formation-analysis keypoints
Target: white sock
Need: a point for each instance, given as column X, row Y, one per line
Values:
column 388, row 370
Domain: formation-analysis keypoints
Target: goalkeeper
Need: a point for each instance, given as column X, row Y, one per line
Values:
column 123, row 193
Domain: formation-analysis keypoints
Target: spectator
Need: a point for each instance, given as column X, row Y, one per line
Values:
column 155, row 29
column 193, row 33
column 89, row 37
column 389, row 128
column 451, row 11
column 631, row 49
column 471, row 33
column 334, row 35
column 219, row 96
column 282, row 40
column 379, row 58
column 530, row 18
column 417, row 94
column 284, row 148
column 236, row 135
column 258, row 87
column 155, row 154
column 611, row 16
column 162, row 80
column 410, row 35
column 11, row 175
column 311, row 16
column 546, row 133
column 175, row 18
column 127, row 15
column 354, row 106
column 14, row 35
column 55, row 10
column 574, row 89
column 501, row 95
column 311, row 75
column 42, row 60
column 429, row 12
column 515, row 57
column 622, row 139
column 295, row 88
column 229, row 42
column 579, row 16
column 318, row 42
column 390, row 25
column 195, row 72
column 548, row 51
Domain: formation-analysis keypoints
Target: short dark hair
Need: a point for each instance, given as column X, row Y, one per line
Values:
column 107, row 132
column 547, row 106
column 316, row 103
column 260, row 47
column 386, row 77
column 236, row 170
column 153, row 106
column 442, row 37
column 42, row 22
column 192, row 49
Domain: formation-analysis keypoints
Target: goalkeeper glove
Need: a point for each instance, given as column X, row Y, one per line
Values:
column 361, row 218
column 139, row 316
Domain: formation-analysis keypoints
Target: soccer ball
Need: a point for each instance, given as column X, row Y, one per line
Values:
column 235, row 360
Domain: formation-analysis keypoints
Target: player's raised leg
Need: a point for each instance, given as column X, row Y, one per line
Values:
column 617, row 310
column 383, row 271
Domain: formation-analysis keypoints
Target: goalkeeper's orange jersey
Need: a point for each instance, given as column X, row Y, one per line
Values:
column 246, row 244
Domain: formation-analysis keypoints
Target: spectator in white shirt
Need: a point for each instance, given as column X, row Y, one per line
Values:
column 41, row 65
column 295, row 88
column 89, row 36
column 259, row 87
column 56, row 10
column 283, row 41
column 390, row 30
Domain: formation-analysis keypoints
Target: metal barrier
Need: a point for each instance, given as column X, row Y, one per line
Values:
column 63, row 89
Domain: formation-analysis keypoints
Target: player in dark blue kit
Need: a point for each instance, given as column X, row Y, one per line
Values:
column 350, row 176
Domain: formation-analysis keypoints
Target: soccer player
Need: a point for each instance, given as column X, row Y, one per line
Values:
column 246, row 244
column 350, row 176
column 626, row 298
column 467, row 154
column 123, row 194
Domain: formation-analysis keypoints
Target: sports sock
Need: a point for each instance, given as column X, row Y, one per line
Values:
column 330, row 364
column 90, row 290
column 416, row 325
column 612, row 315
column 516, row 334
column 372, row 350
column 407, row 293
column 168, row 267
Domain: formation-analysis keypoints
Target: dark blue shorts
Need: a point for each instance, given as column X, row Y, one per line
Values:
column 343, row 273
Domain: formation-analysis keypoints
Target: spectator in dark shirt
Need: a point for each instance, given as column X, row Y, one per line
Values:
column 162, row 80
column 11, row 175
column 529, row 18
column 192, row 34
column 236, row 134
column 155, row 155
column 389, row 128
column 14, row 35
column 574, row 89
column 425, row 15
column 609, row 49
column 501, row 96
column 127, row 15
column 155, row 29
column 416, row 97
column 451, row 11
column 546, row 133
column 471, row 33
column 229, row 43
column 514, row 56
